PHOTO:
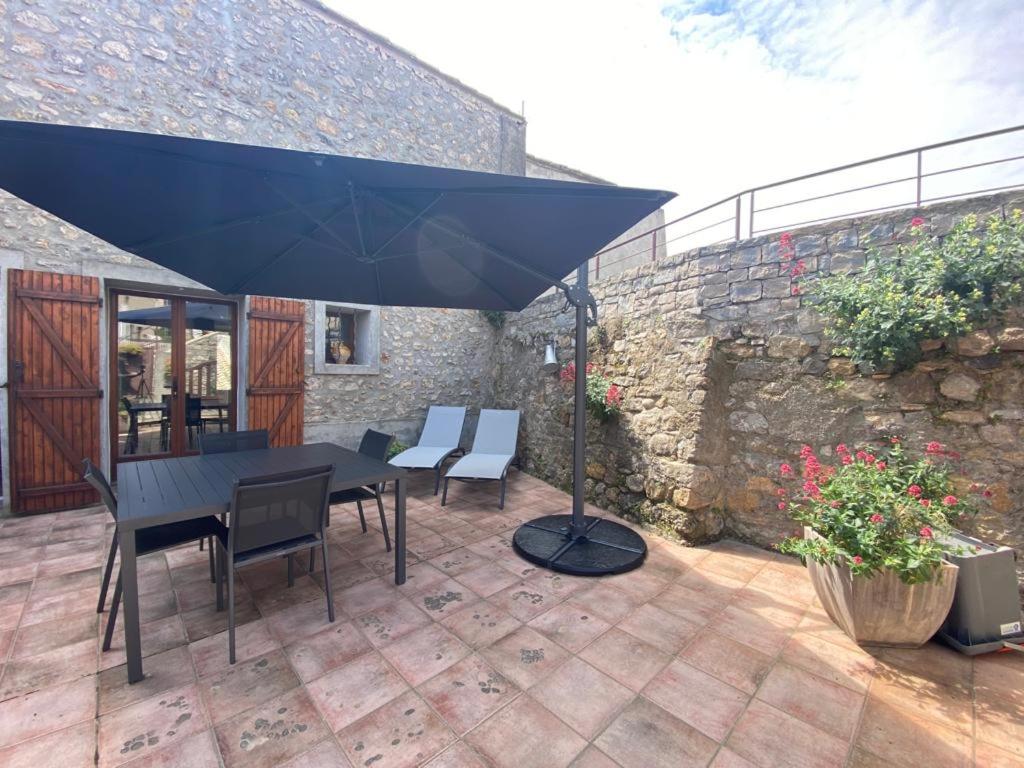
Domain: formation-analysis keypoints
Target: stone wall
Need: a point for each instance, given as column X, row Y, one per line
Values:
column 286, row 73
column 726, row 373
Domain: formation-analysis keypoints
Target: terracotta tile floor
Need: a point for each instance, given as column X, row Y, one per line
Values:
column 716, row 656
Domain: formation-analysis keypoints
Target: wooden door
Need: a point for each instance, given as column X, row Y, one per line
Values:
column 53, row 367
column 277, row 378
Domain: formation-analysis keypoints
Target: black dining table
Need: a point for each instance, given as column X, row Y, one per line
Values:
column 184, row 488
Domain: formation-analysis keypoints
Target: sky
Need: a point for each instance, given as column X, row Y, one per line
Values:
column 709, row 97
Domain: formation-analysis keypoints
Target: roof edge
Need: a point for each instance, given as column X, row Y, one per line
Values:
column 585, row 177
column 321, row 7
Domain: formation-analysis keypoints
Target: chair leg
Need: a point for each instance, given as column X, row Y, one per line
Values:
column 437, row 478
column 327, row 580
column 112, row 619
column 231, row 609
column 106, row 573
column 213, row 565
column 221, row 556
column 444, row 494
column 383, row 522
column 312, row 558
column 201, row 545
column 501, row 495
column 362, row 518
column 291, row 570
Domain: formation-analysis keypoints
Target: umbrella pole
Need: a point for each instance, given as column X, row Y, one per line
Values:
column 574, row 543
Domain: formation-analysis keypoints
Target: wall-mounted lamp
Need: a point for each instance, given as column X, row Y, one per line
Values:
column 550, row 358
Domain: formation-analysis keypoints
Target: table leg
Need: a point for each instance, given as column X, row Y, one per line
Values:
column 400, row 530
column 130, row 606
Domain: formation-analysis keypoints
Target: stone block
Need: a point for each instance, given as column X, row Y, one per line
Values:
column 764, row 271
column 745, row 257
column 595, row 470
column 777, row 287
column 792, row 347
column 1010, row 339
column 748, row 421
column 998, row 434
column 846, row 262
column 1009, row 414
column 706, row 264
column 655, row 490
column 635, row 483
column 959, row 386
column 663, row 444
column 973, row 418
column 745, row 292
column 975, row 344
column 736, row 275
column 842, row 366
column 808, row 246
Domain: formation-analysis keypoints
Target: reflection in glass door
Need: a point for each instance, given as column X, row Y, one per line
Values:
column 175, row 373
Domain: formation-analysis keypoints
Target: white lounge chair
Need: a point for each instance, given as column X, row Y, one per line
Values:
column 494, row 448
column 439, row 440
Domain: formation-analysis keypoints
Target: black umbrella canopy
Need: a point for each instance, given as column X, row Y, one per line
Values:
column 260, row 220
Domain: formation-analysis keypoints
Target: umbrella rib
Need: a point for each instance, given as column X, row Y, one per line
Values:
column 355, row 216
column 408, row 224
column 241, row 284
column 231, row 223
column 302, row 210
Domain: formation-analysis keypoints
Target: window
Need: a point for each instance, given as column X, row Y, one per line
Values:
column 347, row 338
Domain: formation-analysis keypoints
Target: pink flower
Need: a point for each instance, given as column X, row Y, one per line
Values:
column 613, row 397
column 926, row 502
column 858, row 559
column 926, row 532
column 877, row 518
column 950, row 501
column 847, row 459
column 785, row 238
column 811, row 488
column 806, row 451
column 781, row 505
column 916, row 222
column 780, row 491
column 894, row 440
column 987, row 493
column 795, row 291
column 841, row 449
column 786, row 470
column 869, row 458
column 881, row 466
column 862, row 455
column 933, row 447
column 915, row 491
column 836, row 504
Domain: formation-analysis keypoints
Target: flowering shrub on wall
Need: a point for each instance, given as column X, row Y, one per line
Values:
column 932, row 288
column 875, row 510
column 604, row 399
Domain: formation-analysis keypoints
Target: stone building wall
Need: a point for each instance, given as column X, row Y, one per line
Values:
column 287, row 73
column 726, row 373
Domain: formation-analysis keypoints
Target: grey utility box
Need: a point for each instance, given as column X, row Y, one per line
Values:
column 986, row 606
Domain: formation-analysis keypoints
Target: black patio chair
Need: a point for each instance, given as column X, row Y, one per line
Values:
column 147, row 540
column 131, row 442
column 227, row 442
column 272, row 516
column 375, row 445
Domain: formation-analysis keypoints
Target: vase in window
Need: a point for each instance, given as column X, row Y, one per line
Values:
column 340, row 352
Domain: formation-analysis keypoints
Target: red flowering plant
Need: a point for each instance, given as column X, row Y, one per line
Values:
column 604, row 399
column 876, row 509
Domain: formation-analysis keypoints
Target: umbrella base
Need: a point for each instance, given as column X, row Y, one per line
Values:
column 607, row 547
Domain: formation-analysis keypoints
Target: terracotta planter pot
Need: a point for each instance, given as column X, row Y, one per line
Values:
column 882, row 610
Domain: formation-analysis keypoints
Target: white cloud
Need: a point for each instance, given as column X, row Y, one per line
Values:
column 706, row 97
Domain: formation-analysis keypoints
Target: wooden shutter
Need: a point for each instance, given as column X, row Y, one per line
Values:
column 277, row 376
column 53, row 369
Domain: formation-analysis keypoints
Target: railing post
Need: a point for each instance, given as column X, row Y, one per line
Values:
column 751, row 234
column 919, row 178
column 654, row 246
column 597, row 267
column 737, row 217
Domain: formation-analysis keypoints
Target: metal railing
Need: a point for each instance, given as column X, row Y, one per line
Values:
column 844, row 191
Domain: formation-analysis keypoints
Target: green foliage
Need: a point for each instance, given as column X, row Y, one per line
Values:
column 396, row 447
column 604, row 398
column 129, row 349
column 876, row 512
column 495, row 317
column 932, row 289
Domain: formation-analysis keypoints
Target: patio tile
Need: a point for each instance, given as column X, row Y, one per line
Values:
column 695, row 607
column 488, row 579
column 211, row 653
column 164, row 671
column 734, row 663
column 946, row 705
column 931, row 662
column 444, row 599
column 424, row 653
column 629, row 660
column 1000, row 719
column 559, row 585
column 592, row 757
column 352, row 691
column 326, row 754
column 16, row 593
column 791, row 581
column 571, row 625
column 526, row 657
column 50, row 635
column 71, row 747
column 328, row 649
column 458, row 755
column 157, row 636
column 491, row 547
column 640, row 584
column 758, row 738
column 583, row 697
column 459, row 561
column 989, row 756
column 526, row 735
column 646, row 736
column 6, row 641
column 196, row 751
column 703, row 701
column 50, row 709
column 366, row 596
column 281, row 596
column 272, row 732
column 481, row 624
column 401, row 734
column 14, row 574
column 840, row 664
column 66, row 582
column 660, row 628
column 207, row 620
column 301, row 620
column 524, row 600
column 894, row 738
column 60, row 665
column 419, row 577
column 757, row 632
column 726, row 758
column 467, row 693
column 247, row 684
column 140, row 729
column 774, row 608
column 710, row 583
column 391, row 622
column 607, row 602
column 825, row 705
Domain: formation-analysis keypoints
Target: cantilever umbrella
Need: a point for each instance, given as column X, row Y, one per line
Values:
column 259, row 220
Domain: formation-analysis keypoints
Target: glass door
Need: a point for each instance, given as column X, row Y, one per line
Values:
column 173, row 360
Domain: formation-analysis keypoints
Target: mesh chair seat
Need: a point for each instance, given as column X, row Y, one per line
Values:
column 269, row 551
column 172, row 534
column 352, row 495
